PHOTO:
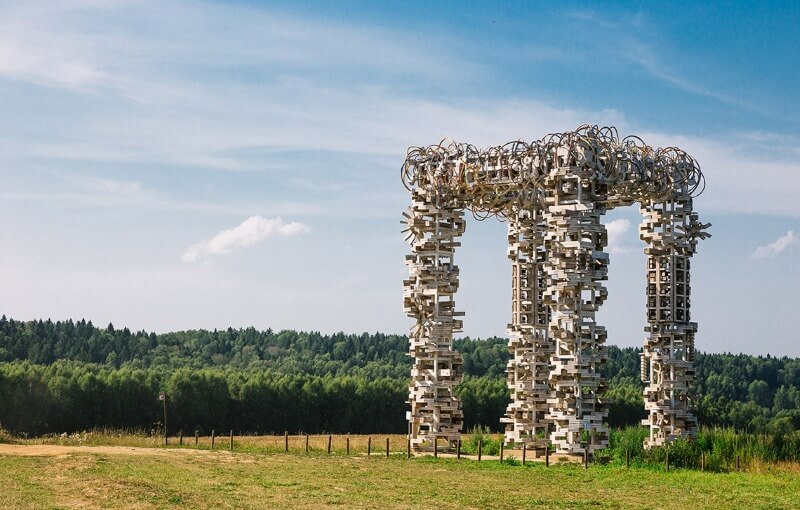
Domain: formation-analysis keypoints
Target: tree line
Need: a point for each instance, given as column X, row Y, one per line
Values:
column 71, row 375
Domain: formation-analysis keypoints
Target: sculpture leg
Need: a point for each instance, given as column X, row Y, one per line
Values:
column 576, row 266
column 429, row 299
column 668, row 356
column 529, row 344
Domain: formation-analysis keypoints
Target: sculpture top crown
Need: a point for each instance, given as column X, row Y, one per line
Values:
column 500, row 179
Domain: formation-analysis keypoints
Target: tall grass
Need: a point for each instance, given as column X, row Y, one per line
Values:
column 722, row 448
column 490, row 443
column 5, row 436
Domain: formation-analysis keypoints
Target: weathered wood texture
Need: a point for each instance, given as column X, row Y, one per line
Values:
column 529, row 343
column 671, row 230
column 429, row 298
column 553, row 192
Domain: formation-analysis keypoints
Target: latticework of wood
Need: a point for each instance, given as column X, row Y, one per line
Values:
column 553, row 192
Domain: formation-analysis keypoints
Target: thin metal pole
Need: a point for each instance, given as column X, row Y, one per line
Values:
column 166, row 439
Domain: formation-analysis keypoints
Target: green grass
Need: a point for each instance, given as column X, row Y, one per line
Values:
column 721, row 447
column 184, row 479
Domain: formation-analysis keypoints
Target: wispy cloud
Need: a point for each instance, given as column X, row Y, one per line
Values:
column 107, row 186
column 36, row 47
column 132, row 53
column 251, row 231
column 632, row 36
column 616, row 230
column 772, row 250
column 740, row 178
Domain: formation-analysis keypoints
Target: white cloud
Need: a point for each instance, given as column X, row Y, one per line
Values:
column 615, row 230
column 741, row 177
column 251, row 231
column 774, row 249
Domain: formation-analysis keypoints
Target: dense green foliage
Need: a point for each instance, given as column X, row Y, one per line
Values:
column 66, row 376
column 68, row 396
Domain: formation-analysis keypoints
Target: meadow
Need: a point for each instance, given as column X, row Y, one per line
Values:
column 258, row 475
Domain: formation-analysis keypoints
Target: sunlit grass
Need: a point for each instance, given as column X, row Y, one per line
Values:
column 171, row 478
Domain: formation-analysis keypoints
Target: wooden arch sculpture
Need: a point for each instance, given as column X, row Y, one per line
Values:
column 553, row 193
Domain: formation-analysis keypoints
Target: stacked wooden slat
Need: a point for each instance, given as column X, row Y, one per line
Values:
column 576, row 267
column 529, row 343
column 671, row 230
column 435, row 413
column 553, row 192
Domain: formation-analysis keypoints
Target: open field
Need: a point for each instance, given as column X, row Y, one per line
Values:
column 56, row 476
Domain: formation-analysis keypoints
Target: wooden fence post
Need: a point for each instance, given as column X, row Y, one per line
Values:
column 212, row 438
column 666, row 460
column 286, row 441
column 547, row 455
column 702, row 461
column 369, row 446
column 408, row 450
column 196, row 437
column 524, row 452
column 387, row 447
column 330, row 438
column 180, row 437
column 501, row 451
column 738, row 462
column 435, row 447
column 586, row 457
column 480, row 445
column 347, row 446
column 231, row 441
column 458, row 450
column 306, row 443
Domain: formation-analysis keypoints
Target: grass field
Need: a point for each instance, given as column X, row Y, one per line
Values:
column 54, row 476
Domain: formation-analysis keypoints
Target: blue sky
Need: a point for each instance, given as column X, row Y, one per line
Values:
column 198, row 164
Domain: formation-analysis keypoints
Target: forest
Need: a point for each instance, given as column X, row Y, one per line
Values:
column 69, row 376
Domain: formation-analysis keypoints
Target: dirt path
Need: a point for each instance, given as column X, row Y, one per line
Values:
column 46, row 450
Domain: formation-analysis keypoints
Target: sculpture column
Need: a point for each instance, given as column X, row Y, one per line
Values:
column 529, row 344
column 671, row 230
column 429, row 299
column 576, row 266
